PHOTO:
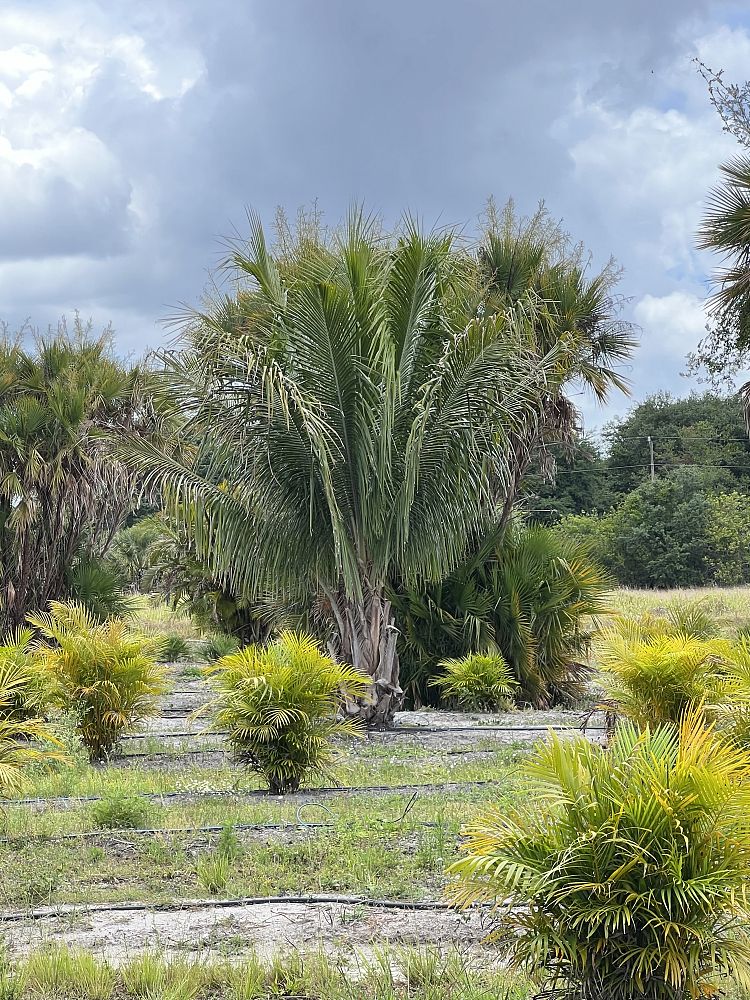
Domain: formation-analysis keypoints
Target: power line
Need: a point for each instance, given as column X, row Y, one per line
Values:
column 646, row 465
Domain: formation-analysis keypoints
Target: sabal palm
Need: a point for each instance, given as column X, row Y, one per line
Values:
column 350, row 412
column 534, row 258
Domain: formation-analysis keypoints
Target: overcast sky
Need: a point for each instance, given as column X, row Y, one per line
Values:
column 133, row 134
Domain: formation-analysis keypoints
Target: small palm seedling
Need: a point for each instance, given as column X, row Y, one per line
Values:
column 106, row 672
column 173, row 649
column 480, row 681
column 213, row 647
column 630, row 877
column 279, row 704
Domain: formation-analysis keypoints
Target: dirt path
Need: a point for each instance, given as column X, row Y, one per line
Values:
column 264, row 928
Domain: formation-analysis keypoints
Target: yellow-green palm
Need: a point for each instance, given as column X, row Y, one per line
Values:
column 106, row 672
column 627, row 873
column 281, row 705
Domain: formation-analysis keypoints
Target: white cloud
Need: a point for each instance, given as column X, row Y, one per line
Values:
column 65, row 189
column 671, row 324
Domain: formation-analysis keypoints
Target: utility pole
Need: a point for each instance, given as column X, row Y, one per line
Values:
column 651, row 448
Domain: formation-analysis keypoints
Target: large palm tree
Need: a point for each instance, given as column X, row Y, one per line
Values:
column 62, row 493
column 350, row 407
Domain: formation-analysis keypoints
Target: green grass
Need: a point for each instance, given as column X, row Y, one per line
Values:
column 370, row 765
column 729, row 605
column 398, row 973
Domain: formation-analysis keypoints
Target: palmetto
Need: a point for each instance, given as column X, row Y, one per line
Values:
column 627, row 874
column 532, row 595
column 280, row 704
column 353, row 411
column 105, row 671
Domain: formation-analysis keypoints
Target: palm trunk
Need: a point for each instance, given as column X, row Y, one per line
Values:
column 366, row 637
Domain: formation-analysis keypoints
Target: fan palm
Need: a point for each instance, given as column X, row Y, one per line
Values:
column 353, row 411
column 630, row 876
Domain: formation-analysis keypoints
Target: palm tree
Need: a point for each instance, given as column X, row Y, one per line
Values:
column 62, row 494
column 726, row 230
column 533, row 258
column 352, row 413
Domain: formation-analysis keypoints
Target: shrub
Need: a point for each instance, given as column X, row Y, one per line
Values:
column 531, row 596
column 213, row 647
column 173, row 648
column 656, row 679
column 122, row 812
column 476, row 682
column 279, row 705
column 630, row 876
column 26, row 688
column 106, row 673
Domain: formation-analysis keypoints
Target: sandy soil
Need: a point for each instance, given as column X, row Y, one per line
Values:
column 263, row 928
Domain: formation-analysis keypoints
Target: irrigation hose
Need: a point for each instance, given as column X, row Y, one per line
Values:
column 260, row 793
column 74, row 909
column 158, row 831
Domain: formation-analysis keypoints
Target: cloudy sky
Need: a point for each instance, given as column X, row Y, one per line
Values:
column 133, row 134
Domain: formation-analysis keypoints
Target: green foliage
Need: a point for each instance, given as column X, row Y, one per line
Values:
column 120, row 811
column 279, row 705
column 213, row 647
column 702, row 430
column 213, row 871
column 100, row 588
column 671, row 533
column 656, row 679
column 530, row 597
column 24, row 744
column 379, row 374
column 26, row 688
column 630, row 876
column 173, row 648
column 175, row 569
column 106, row 672
column 63, row 492
column 131, row 552
column 479, row 681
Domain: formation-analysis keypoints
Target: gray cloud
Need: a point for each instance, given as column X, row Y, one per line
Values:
column 135, row 138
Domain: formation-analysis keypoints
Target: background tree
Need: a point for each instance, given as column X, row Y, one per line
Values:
column 63, row 494
column 725, row 350
column 534, row 259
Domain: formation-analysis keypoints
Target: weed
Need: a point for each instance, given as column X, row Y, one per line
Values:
column 213, row 872
column 121, row 812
